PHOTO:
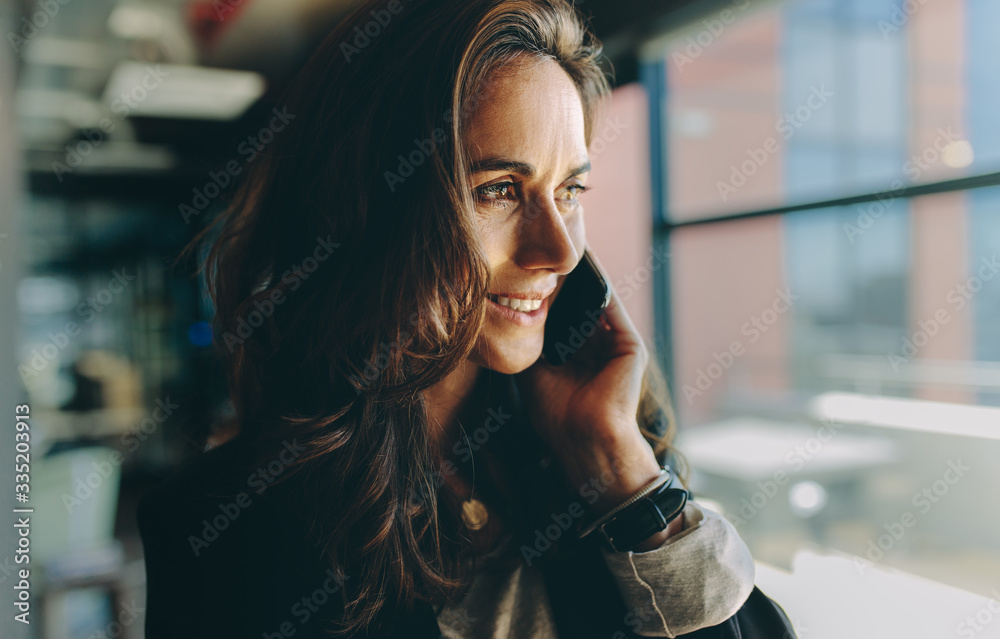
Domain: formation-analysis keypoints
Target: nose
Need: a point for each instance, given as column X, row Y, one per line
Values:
column 545, row 241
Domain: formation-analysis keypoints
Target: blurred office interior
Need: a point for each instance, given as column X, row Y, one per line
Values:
column 798, row 201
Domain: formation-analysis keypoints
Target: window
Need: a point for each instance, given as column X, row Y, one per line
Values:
column 828, row 194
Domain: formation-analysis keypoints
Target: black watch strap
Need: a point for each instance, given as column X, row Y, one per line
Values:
column 644, row 518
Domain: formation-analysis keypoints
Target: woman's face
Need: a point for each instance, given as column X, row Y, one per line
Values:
column 530, row 164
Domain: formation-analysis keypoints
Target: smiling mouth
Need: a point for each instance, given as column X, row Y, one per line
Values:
column 517, row 304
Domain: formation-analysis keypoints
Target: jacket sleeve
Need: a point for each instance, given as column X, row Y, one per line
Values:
column 698, row 578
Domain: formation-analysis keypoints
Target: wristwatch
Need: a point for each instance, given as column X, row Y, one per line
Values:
column 644, row 518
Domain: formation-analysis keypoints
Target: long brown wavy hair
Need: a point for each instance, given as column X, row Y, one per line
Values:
column 347, row 275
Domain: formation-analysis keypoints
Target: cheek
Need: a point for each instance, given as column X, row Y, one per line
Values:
column 500, row 241
column 495, row 241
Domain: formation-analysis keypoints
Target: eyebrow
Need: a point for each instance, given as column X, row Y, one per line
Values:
column 515, row 166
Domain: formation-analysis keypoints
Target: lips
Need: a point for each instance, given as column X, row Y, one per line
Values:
column 520, row 317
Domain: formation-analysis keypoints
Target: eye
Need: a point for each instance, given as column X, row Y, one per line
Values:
column 573, row 191
column 498, row 194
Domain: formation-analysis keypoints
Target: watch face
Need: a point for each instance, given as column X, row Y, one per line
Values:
column 671, row 502
column 637, row 522
column 645, row 518
column 649, row 518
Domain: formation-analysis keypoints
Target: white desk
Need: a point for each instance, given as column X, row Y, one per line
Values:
column 829, row 597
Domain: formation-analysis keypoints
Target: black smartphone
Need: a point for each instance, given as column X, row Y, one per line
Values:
column 575, row 311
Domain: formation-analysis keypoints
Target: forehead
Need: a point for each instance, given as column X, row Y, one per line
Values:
column 530, row 111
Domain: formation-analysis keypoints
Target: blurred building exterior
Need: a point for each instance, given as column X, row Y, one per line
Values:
column 830, row 207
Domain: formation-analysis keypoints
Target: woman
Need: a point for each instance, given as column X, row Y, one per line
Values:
column 406, row 465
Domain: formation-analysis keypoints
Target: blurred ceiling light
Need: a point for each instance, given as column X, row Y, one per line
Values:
column 127, row 156
column 60, row 104
column 46, row 295
column 63, row 52
column 957, row 154
column 136, row 20
column 182, row 91
column 908, row 414
column 807, row 498
column 159, row 28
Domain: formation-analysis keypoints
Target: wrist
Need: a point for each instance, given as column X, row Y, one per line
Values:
column 609, row 472
column 645, row 520
column 613, row 472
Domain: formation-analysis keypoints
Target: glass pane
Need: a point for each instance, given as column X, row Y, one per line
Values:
column 812, row 100
column 837, row 375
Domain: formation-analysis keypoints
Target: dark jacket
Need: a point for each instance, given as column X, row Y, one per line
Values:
column 228, row 556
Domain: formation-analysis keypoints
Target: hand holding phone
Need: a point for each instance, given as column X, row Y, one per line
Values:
column 582, row 395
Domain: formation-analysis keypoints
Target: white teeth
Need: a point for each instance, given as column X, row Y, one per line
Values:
column 525, row 306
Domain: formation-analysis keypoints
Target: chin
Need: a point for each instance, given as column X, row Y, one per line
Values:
column 507, row 358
